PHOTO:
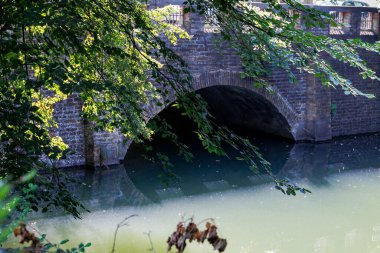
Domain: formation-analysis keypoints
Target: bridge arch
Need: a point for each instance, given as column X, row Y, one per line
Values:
column 233, row 80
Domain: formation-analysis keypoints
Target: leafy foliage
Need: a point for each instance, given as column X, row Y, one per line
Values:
column 51, row 49
column 58, row 247
column 37, row 245
column 7, row 205
column 9, row 202
column 50, row 192
column 116, row 56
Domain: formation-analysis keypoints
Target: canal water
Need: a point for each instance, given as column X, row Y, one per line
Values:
column 340, row 215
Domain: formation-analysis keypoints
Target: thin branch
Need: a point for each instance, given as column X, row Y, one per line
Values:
column 150, row 241
column 121, row 224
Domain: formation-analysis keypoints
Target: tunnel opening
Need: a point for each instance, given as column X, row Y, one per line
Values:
column 244, row 112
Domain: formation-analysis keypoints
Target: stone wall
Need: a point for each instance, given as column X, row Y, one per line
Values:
column 71, row 129
column 313, row 112
column 355, row 115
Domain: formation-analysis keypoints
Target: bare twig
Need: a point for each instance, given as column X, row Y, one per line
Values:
column 207, row 219
column 121, row 224
column 151, row 249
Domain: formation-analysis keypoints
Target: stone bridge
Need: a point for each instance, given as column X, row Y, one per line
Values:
column 302, row 112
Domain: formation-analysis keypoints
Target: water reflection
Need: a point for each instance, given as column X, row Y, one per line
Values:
column 341, row 215
column 141, row 182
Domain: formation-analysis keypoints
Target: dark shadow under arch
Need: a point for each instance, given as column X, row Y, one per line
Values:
column 231, row 106
column 281, row 119
column 242, row 108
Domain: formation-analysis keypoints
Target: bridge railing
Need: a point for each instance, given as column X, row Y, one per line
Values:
column 352, row 21
column 177, row 17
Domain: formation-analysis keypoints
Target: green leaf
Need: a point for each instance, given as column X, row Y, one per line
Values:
column 63, row 241
column 28, row 176
column 4, row 191
column 48, row 246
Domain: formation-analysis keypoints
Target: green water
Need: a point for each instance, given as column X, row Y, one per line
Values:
column 341, row 215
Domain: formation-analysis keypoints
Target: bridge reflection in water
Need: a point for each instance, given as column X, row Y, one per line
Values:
column 341, row 215
column 140, row 182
